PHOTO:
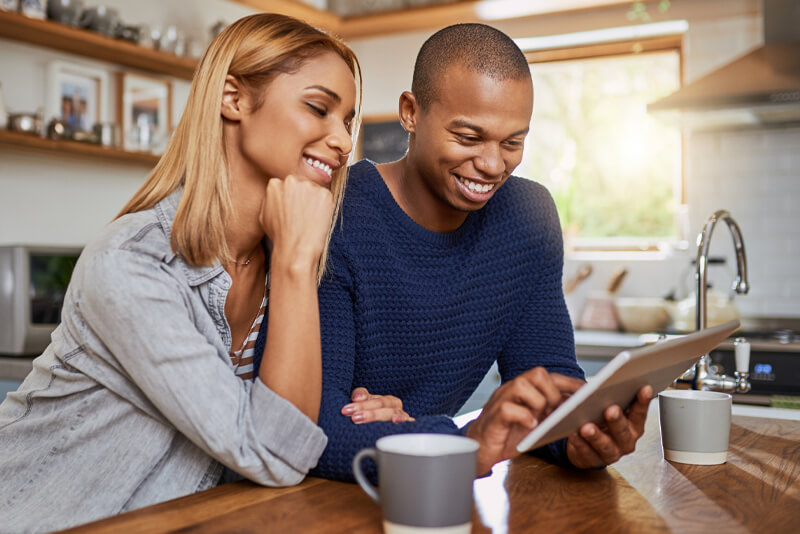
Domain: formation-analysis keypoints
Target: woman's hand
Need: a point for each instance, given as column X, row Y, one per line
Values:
column 367, row 408
column 296, row 216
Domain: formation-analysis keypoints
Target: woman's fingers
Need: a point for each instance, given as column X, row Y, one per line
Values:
column 296, row 215
column 381, row 414
column 375, row 402
column 359, row 394
column 367, row 408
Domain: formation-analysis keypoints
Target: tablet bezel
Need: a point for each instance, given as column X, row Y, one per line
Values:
column 619, row 381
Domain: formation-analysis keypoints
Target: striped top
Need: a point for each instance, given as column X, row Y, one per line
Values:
column 242, row 359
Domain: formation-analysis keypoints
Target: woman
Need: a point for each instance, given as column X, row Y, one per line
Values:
column 134, row 401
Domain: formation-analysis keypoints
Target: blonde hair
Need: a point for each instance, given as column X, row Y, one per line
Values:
column 254, row 49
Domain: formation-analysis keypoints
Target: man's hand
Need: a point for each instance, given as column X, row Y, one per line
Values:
column 592, row 446
column 367, row 408
column 514, row 409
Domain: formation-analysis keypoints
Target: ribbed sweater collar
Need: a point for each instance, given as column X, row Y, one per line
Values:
column 376, row 186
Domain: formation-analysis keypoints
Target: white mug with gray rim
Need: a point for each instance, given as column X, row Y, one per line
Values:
column 425, row 482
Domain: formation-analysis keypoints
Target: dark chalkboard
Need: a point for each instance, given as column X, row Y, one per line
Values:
column 383, row 142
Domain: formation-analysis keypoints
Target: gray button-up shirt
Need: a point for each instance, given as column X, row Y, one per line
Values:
column 135, row 402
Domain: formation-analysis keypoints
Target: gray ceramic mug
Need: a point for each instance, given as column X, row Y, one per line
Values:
column 425, row 482
column 695, row 426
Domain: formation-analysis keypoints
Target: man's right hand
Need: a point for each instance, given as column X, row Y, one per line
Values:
column 514, row 409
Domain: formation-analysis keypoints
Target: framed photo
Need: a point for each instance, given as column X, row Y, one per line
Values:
column 144, row 111
column 76, row 94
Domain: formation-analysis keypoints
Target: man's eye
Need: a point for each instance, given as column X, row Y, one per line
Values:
column 467, row 138
column 319, row 111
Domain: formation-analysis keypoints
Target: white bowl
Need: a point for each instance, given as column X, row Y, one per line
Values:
column 642, row 314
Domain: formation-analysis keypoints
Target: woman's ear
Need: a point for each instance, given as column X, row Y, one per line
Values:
column 408, row 110
column 232, row 99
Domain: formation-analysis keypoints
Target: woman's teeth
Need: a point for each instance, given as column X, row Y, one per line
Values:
column 475, row 187
column 319, row 165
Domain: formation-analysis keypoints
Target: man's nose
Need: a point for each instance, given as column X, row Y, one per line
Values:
column 490, row 160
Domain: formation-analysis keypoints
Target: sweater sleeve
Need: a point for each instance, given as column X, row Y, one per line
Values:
column 339, row 355
column 542, row 334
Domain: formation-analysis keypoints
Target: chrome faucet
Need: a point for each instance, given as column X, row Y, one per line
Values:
column 702, row 376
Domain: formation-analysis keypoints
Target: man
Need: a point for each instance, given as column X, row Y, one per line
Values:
column 444, row 263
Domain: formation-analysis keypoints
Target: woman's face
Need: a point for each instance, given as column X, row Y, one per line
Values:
column 303, row 126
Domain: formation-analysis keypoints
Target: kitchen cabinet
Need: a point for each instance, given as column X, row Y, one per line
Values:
column 56, row 36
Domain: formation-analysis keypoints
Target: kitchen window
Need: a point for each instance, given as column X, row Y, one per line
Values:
column 614, row 171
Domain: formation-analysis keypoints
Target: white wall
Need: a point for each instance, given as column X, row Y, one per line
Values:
column 65, row 200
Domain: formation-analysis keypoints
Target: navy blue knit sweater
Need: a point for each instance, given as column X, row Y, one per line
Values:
column 423, row 315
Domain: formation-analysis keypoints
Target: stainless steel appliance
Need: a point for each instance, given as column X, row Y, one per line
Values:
column 33, row 281
column 774, row 358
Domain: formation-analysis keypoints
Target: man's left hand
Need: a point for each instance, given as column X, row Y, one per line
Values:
column 593, row 446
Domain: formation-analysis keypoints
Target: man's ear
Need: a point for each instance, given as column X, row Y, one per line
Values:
column 408, row 111
column 232, row 99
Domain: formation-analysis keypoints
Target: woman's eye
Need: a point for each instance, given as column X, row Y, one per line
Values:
column 318, row 110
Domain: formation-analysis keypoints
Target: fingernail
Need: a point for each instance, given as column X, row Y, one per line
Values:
column 348, row 409
column 357, row 418
column 590, row 431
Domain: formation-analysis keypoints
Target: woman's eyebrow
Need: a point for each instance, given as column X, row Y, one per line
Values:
column 327, row 91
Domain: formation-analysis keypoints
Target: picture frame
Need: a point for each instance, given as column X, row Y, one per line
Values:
column 144, row 111
column 76, row 94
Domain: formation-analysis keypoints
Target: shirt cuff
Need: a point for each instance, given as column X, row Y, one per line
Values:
column 285, row 430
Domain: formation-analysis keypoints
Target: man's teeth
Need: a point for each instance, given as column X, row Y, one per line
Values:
column 477, row 188
column 318, row 164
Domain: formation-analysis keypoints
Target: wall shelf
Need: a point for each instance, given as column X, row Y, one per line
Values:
column 35, row 143
column 93, row 45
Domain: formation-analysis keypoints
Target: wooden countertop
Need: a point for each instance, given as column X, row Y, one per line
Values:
column 757, row 490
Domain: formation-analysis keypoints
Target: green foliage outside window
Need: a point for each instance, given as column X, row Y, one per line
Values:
column 613, row 170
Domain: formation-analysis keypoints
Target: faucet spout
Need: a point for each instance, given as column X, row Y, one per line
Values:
column 740, row 284
column 701, row 375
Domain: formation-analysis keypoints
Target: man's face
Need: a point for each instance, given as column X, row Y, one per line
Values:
column 469, row 140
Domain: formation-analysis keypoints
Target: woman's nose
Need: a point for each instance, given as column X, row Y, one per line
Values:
column 340, row 140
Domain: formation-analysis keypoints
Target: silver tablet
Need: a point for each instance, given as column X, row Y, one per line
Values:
column 619, row 381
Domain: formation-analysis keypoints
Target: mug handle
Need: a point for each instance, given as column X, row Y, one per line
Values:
column 365, row 484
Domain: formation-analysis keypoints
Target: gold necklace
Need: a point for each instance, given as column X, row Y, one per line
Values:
column 248, row 260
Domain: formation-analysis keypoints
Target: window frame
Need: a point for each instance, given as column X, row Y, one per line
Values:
column 667, row 43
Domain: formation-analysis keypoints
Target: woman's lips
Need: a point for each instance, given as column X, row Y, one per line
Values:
column 321, row 169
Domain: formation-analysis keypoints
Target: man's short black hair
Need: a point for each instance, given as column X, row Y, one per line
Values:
column 478, row 47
